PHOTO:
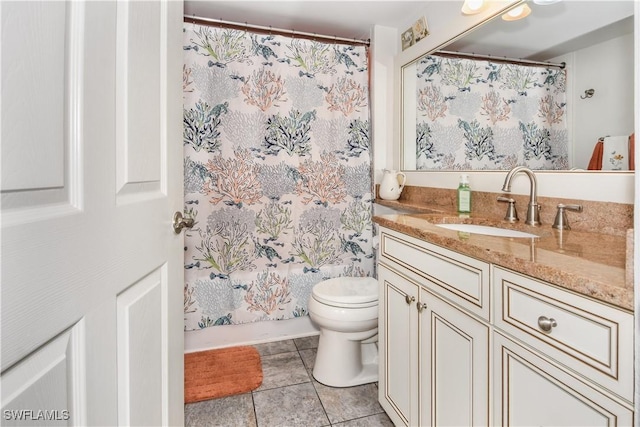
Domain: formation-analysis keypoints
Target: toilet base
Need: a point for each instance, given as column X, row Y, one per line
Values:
column 369, row 374
column 347, row 364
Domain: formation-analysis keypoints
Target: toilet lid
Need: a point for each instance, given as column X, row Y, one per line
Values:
column 347, row 292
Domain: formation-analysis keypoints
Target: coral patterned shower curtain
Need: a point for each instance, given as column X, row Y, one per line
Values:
column 277, row 172
column 477, row 114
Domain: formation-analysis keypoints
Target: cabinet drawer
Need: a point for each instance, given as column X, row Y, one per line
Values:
column 593, row 339
column 459, row 278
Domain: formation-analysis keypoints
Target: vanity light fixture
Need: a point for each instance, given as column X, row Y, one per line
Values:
column 471, row 7
column 516, row 13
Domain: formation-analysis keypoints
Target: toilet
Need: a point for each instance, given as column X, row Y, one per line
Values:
column 346, row 311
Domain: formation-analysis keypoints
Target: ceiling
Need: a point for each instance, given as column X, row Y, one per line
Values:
column 551, row 30
column 347, row 19
column 548, row 32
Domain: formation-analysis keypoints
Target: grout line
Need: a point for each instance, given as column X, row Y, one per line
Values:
column 281, row 386
column 316, row 390
column 255, row 414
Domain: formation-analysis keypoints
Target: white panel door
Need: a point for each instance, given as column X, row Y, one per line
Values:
column 398, row 344
column 91, row 154
column 454, row 365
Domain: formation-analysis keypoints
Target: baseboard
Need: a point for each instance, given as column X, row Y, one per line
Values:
column 248, row 334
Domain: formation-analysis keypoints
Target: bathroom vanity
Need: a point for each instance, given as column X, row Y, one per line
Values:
column 487, row 330
column 508, row 331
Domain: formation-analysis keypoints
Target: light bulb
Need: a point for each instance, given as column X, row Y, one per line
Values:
column 475, row 4
column 517, row 13
column 471, row 7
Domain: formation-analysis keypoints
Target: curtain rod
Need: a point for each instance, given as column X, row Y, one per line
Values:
column 561, row 65
column 270, row 30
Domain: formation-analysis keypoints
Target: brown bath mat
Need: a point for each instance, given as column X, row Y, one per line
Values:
column 223, row 372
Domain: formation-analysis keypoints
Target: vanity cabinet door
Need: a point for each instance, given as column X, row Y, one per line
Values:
column 531, row 391
column 454, row 365
column 398, row 347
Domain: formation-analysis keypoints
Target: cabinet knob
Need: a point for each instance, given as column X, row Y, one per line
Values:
column 546, row 324
column 421, row 306
column 409, row 299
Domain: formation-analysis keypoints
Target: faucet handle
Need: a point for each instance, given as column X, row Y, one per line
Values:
column 512, row 214
column 561, row 222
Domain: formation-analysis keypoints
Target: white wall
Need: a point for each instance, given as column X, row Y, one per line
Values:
column 608, row 69
column 383, row 50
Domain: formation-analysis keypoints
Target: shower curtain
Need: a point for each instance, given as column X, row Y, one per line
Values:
column 477, row 114
column 277, row 172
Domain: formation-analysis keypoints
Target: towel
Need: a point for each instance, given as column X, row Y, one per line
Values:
column 596, row 157
column 606, row 162
column 615, row 153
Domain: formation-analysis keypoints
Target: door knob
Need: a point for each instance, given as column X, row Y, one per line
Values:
column 409, row 299
column 180, row 222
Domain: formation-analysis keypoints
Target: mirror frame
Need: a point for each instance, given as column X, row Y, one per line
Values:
column 617, row 187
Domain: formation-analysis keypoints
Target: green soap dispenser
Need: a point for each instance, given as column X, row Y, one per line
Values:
column 464, row 195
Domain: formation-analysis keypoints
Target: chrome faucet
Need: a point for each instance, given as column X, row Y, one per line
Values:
column 533, row 209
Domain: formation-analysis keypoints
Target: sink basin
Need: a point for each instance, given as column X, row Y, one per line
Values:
column 486, row 230
column 386, row 210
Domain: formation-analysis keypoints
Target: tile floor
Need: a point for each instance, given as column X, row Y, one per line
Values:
column 289, row 396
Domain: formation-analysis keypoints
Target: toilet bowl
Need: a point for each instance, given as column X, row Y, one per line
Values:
column 345, row 309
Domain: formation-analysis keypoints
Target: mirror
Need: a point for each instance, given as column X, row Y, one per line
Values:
column 593, row 38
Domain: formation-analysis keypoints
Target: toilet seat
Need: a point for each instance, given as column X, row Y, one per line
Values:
column 347, row 292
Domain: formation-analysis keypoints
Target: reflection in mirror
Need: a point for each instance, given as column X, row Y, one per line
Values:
column 473, row 113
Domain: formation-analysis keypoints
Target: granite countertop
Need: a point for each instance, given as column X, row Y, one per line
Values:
column 591, row 264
